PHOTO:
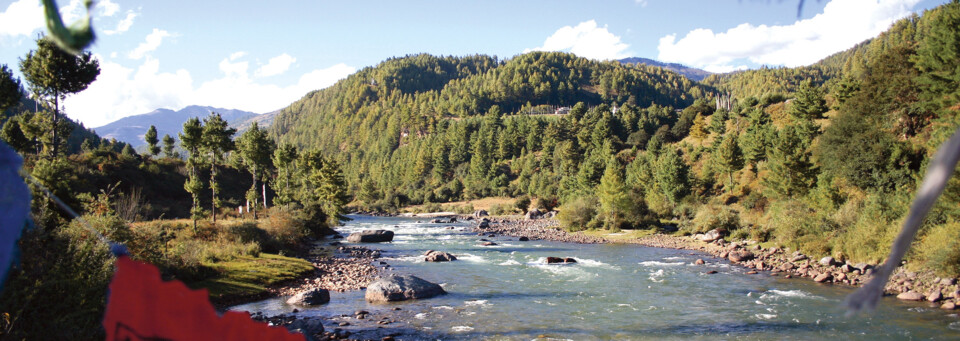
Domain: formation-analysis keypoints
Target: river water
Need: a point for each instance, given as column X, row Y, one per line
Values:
column 612, row 292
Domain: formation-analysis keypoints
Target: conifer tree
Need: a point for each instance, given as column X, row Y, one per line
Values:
column 191, row 139
column 168, row 145
column 699, row 130
column 256, row 150
column 53, row 74
column 285, row 159
column 671, row 174
column 792, row 173
column 13, row 135
column 809, row 103
column 151, row 138
column 10, row 89
column 217, row 140
column 729, row 156
column 613, row 195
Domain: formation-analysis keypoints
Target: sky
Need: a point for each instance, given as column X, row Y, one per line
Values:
column 260, row 56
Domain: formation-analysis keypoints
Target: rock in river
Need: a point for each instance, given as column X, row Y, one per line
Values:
column 560, row 260
column 371, row 236
column 310, row 297
column 740, row 256
column 438, row 256
column 910, row 296
column 401, row 288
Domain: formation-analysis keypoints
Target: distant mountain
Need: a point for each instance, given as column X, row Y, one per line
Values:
column 690, row 72
column 130, row 129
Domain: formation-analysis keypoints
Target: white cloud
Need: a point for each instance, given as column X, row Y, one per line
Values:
column 842, row 24
column 120, row 91
column 276, row 66
column 151, row 44
column 124, row 24
column 585, row 40
column 21, row 18
column 107, row 8
column 642, row 3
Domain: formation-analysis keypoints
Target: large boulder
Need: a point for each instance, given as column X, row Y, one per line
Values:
column 560, row 260
column 711, row 235
column 371, row 236
column 484, row 223
column 310, row 297
column 740, row 256
column 401, row 288
column 480, row 213
column 438, row 256
column 306, row 326
column 533, row 213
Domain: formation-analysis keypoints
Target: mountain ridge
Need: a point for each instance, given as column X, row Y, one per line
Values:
column 130, row 129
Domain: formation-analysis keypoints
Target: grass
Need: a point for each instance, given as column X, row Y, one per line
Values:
column 622, row 236
column 248, row 276
column 478, row 204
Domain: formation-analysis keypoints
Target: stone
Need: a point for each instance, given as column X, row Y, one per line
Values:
column 483, row 224
column 533, row 213
column 751, row 272
column 371, row 236
column 787, row 267
column 840, row 277
column 711, row 235
column 798, row 258
column 569, row 260
column 846, row 268
column 724, row 254
column 711, row 272
column 550, row 215
column 480, row 213
column 948, row 306
column 310, row 297
column 523, row 239
column 827, row 261
column 740, row 256
column 438, row 256
column 699, row 262
column 401, row 288
column 306, row 326
column 488, row 244
column 948, row 281
column 910, row 296
column 824, row 277
column 935, row 296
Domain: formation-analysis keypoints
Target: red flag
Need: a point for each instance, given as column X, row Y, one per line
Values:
column 142, row 306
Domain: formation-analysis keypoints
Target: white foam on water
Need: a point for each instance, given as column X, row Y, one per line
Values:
column 765, row 316
column 791, row 293
column 476, row 302
column 595, row 263
column 627, row 305
column 673, row 258
column 471, row 258
column 462, row 328
column 420, row 316
column 443, row 307
column 510, row 262
column 657, row 276
column 653, row 263
column 414, row 259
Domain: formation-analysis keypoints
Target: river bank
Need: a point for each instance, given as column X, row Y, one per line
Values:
column 906, row 285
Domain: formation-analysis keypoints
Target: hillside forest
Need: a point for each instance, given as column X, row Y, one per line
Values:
column 823, row 159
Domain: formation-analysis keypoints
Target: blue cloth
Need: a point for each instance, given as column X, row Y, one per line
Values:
column 14, row 207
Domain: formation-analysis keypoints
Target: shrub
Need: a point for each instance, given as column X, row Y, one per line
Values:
column 501, row 209
column 576, row 214
column 283, row 229
column 464, row 209
column 940, row 249
column 522, row 203
column 795, row 225
column 546, row 203
column 711, row 217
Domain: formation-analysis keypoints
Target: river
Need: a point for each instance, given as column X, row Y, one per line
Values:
column 612, row 292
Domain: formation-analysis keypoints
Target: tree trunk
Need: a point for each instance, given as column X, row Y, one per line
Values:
column 213, row 190
column 56, row 109
column 254, row 190
column 265, row 196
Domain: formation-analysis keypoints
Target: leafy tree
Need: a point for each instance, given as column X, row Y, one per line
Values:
column 168, row 145
column 191, row 139
column 10, row 89
column 217, row 140
column 53, row 74
column 151, row 138
column 256, row 150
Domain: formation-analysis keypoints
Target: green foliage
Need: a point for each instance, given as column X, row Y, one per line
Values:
column 522, row 203
column 671, row 175
column 10, row 89
column 151, row 138
column 939, row 249
column 216, row 139
column 576, row 214
column 12, row 133
column 798, row 227
column 256, row 151
column 808, row 103
column 791, row 170
column 53, row 74
column 168, row 145
column 728, row 155
column 709, row 217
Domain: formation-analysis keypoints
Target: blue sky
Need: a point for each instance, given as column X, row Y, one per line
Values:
column 263, row 55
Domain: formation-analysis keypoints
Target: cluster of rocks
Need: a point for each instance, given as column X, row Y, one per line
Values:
column 538, row 229
column 438, row 256
column 905, row 284
column 444, row 221
column 351, row 268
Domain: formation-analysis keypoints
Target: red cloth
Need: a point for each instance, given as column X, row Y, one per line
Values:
column 141, row 306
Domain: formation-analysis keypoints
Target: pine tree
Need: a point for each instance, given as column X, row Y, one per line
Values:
column 191, row 139
column 671, row 174
column 13, row 135
column 792, row 173
column 217, row 140
column 168, row 145
column 53, row 74
column 285, row 160
column 698, row 130
column 809, row 103
column 10, row 89
column 613, row 194
column 151, row 138
column 256, row 150
column 729, row 156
